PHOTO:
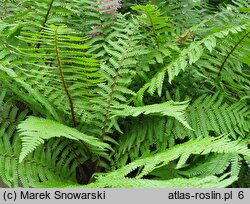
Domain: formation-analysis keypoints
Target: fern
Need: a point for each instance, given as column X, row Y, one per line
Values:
column 173, row 183
column 153, row 19
column 226, row 71
column 118, row 74
column 187, row 57
column 41, row 165
column 212, row 115
column 100, row 17
column 193, row 147
column 63, row 55
column 185, row 14
column 206, row 115
column 191, row 54
column 214, row 165
column 170, row 108
column 146, row 165
column 96, row 94
column 206, row 182
column 35, row 130
column 222, row 117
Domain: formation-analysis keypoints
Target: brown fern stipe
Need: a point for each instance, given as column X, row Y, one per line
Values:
column 59, row 66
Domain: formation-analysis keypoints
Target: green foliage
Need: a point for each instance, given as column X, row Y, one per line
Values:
column 142, row 167
column 182, row 151
column 207, row 115
column 169, row 108
column 97, row 95
column 207, row 182
column 43, row 164
column 35, row 130
column 214, row 114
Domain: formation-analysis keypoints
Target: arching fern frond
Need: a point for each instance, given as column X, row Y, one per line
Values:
column 207, row 115
column 39, row 13
column 205, row 41
column 182, row 151
column 153, row 18
column 227, row 65
column 170, row 108
column 62, row 67
column 206, row 182
column 214, row 164
column 146, row 165
column 184, row 14
column 123, row 49
column 211, row 114
column 144, row 136
column 34, row 131
column 99, row 18
column 47, row 162
column 221, row 117
column 187, row 56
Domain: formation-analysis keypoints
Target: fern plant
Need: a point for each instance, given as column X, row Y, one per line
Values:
column 95, row 94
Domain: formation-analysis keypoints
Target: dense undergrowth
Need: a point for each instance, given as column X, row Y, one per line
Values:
column 102, row 93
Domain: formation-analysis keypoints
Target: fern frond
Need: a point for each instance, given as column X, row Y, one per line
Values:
column 207, row 115
column 182, row 151
column 40, row 13
column 184, row 14
column 144, row 136
column 227, row 65
column 65, row 61
column 117, row 72
column 44, row 164
column 187, row 57
column 211, row 114
column 9, row 62
column 100, row 17
column 153, row 18
column 170, row 108
column 214, row 164
column 102, row 182
column 146, row 165
column 206, row 182
column 148, row 131
column 34, row 131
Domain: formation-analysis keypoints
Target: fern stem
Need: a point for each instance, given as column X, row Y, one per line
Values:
column 45, row 21
column 107, row 110
column 59, row 66
column 48, row 12
column 231, row 52
column 105, row 123
column 153, row 28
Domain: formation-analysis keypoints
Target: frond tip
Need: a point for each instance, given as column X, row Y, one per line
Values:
column 35, row 130
column 170, row 108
